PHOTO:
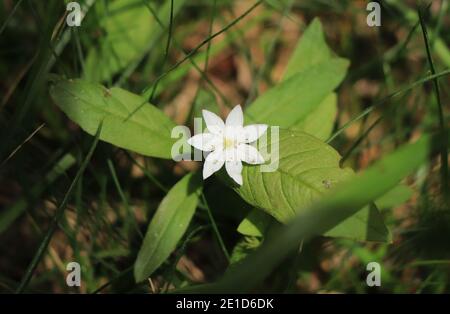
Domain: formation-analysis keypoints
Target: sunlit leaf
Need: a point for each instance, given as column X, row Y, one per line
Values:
column 291, row 101
column 307, row 169
column 320, row 121
column 311, row 49
column 147, row 131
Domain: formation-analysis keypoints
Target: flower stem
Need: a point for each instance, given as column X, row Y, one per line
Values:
column 216, row 230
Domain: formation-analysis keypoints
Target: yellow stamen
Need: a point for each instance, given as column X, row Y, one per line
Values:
column 227, row 142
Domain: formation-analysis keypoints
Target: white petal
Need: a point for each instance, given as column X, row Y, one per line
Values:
column 213, row 162
column 205, row 142
column 232, row 154
column 252, row 132
column 249, row 154
column 213, row 122
column 234, row 170
column 235, row 117
column 234, row 133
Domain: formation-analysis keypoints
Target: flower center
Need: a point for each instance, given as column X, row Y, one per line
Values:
column 228, row 142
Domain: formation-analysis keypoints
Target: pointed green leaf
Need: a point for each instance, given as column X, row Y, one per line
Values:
column 291, row 101
column 311, row 49
column 168, row 226
column 320, row 121
column 147, row 132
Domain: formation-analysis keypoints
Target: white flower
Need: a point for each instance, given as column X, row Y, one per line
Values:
column 227, row 143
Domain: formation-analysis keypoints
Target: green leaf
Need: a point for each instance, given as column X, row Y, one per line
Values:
column 320, row 121
column 291, row 101
column 311, row 49
column 168, row 226
column 147, row 132
column 307, row 169
column 366, row 225
column 131, row 31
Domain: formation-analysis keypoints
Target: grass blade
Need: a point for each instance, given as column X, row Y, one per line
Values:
column 444, row 150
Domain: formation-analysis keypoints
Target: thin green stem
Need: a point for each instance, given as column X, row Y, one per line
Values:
column 123, row 197
column 148, row 174
column 211, row 22
column 16, row 6
column 216, row 230
column 444, row 149
column 120, row 275
column 293, row 272
column 166, row 53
